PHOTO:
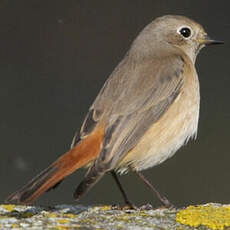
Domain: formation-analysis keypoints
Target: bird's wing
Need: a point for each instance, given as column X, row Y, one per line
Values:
column 134, row 97
column 146, row 97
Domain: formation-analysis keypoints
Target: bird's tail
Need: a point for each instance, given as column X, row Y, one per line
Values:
column 83, row 153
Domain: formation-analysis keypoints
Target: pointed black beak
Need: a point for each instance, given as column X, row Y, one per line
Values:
column 209, row 41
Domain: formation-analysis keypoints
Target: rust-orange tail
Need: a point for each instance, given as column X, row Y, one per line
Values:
column 84, row 152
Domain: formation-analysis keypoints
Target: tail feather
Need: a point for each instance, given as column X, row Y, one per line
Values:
column 83, row 153
column 91, row 178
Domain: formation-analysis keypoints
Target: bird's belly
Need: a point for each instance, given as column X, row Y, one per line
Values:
column 166, row 136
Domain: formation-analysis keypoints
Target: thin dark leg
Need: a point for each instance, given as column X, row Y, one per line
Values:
column 126, row 200
column 163, row 199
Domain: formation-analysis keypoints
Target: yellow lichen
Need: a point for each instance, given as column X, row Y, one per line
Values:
column 26, row 214
column 106, row 207
column 69, row 215
column 15, row 226
column 51, row 215
column 61, row 228
column 211, row 216
column 57, row 215
column 9, row 207
column 63, row 221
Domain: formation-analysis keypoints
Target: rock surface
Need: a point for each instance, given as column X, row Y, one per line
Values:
column 209, row 216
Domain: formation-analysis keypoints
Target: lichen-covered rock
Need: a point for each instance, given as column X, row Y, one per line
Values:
column 210, row 216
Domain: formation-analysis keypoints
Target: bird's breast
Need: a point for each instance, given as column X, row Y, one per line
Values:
column 178, row 124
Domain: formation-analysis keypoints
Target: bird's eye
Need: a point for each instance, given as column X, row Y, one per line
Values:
column 185, row 32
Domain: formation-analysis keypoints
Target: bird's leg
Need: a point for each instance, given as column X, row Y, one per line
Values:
column 126, row 200
column 163, row 199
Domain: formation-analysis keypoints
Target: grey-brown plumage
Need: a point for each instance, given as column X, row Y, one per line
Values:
column 138, row 93
column 146, row 110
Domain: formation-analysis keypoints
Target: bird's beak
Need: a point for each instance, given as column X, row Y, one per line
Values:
column 208, row 41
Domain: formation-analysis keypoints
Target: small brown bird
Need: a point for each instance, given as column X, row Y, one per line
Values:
column 146, row 110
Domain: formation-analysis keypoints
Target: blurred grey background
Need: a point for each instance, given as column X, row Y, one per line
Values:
column 55, row 57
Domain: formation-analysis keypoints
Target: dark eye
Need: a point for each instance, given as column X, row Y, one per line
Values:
column 185, row 32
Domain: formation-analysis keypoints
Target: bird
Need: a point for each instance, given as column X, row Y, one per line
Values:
column 146, row 110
